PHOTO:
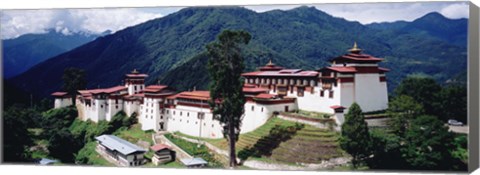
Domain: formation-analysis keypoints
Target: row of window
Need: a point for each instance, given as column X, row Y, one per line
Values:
column 196, row 122
column 282, row 81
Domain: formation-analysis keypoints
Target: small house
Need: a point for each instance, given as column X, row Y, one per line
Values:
column 194, row 163
column 121, row 151
column 162, row 154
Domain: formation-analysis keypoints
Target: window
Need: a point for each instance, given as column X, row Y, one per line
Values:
column 212, row 125
column 188, row 114
column 116, row 106
column 101, row 106
column 262, row 109
column 204, row 124
column 187, row 121
column 322, row 93
column 135, row 88
column 161, row 117
column 151, row 117
column 116, row 101
column 330, row 95
column 167, row 111
column 253, row 107
column 173, row 112
column 180, row 113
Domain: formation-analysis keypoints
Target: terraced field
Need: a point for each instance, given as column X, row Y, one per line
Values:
column 285, row 141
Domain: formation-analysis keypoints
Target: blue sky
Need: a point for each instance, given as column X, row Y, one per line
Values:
column 18, row 22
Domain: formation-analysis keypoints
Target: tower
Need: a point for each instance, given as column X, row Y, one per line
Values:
column 135, row 82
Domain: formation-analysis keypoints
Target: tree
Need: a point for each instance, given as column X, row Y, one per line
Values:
column 453, row 103
column 17, row 139
column 402, row 109
column 423, row 90
column 428, row 144
column 63, row 146
column 355, row 136
column 225, row 66
column 73, row 80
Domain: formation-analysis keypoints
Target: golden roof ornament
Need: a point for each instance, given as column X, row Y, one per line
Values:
column 355, row 48
column 134, row 71
column 270, row 63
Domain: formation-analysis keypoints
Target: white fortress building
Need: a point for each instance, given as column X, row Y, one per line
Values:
column 353, row 77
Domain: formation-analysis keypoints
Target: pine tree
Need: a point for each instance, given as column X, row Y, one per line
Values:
column 355, row 136
column 225, row 67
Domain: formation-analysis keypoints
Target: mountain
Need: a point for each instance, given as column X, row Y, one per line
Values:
column 432, row 24
column 171, row 49
column 23, row 52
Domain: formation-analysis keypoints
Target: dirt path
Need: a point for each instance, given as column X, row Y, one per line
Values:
column 272, row 166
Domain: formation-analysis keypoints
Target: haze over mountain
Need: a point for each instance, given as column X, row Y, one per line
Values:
column 171, row 49
column 23, row 52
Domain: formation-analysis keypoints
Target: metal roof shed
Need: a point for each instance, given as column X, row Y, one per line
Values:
column 195, row 162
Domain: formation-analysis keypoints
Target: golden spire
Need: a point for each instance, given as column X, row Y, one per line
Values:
column 270, row 63
column 134, row 71
column 355, row 48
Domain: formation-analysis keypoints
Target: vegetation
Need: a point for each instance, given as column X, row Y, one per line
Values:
column 73, row 80
column 298, row 143
column 291, row 38
column 194, row 150
column 89, row 156
column 355, row 136
column 416, row 138
column 225, row 67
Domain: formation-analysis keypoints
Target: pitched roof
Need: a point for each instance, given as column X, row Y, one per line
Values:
column 356, row 57
column 283, row 73
column 196, row 95
column 105, row 90
column 254, row 89
column 337, row 107
column 115, row 143
column 155, row 88
column 266, row 96
column 159, row 147
column 59, row 94
column 193, row 162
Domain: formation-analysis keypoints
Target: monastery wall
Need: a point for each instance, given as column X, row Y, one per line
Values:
column 370, row 93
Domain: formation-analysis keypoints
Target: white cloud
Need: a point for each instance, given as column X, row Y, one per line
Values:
column 19, row 22
column 456, row 11
column 382, row 12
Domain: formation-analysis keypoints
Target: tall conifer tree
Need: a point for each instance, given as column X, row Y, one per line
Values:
column 225, row 67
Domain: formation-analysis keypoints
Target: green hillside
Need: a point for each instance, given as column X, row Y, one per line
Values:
column 170, row 49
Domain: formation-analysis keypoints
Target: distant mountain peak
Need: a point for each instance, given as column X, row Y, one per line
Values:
column 432, row 16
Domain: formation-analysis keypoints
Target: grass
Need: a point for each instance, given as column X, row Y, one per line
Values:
column 173, row 164
column 93, row 157
column 307, row 144
column 135, row 134
column 194, row 150
column 313, row 115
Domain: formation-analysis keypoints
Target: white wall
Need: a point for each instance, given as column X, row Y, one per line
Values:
column 259, row 115
column 62, row 102
column 149, row 114
column 188, row 122
column 370, row 93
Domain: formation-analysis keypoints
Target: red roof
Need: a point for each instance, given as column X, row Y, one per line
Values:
column 383, row 69
column 196, row 95
column 137, row 75
column 283, row 73
column 343, row 69
column 59, row 94
column 106, row 90
column 356, row 57
column 159, row 147
column 337, row 107
column 266, row 96
column 154, row 88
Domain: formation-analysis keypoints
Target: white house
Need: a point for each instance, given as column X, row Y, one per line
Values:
column 121, row 151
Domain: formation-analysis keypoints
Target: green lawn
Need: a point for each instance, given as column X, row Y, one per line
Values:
column 93, row 157
column 173, row 164
column 194, row 150
column 134, row 134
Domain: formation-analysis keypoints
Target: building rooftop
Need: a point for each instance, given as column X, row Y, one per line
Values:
column 194, row 161
column 283, row 73
column 115, row 143
column 159, row 147
column 59, row 94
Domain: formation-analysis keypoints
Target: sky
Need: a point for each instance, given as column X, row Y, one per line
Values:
column 18, row 22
